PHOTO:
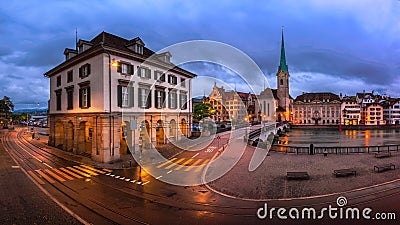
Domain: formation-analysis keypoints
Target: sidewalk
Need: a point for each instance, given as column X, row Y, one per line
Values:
column 127, row 161
column 123, row 163
column 269, row 181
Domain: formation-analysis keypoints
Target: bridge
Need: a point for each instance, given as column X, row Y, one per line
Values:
column 264, row 133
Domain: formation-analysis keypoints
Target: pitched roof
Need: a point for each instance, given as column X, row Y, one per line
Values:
column 320, row 96
column 112, row 41
column 119, row 43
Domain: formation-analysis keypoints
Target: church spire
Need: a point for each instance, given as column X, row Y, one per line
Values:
column 283, row 66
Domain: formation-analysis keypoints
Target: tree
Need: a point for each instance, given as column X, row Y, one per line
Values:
column 6, row 106
column 203, row 110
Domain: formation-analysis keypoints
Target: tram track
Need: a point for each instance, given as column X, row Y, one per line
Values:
column 212, row 208
column 65, row 190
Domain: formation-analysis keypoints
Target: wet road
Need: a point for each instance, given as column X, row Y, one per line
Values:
column 21, row 201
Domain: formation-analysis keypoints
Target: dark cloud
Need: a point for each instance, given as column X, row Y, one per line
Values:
column 324, row 40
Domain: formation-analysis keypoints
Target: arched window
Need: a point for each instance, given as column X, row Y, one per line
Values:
column 281, row 81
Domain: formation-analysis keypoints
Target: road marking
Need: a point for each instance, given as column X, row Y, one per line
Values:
column 47, row 165
column 15, row 167
column 108, row 174
column 45, row 176
column 87, row 171
column 110, row 171
column 93, row 169
column 133, row 181
column 112, row 175
column 158, row 177
column 71, row 173
column 211, row 149
column 139, row 182
column 40, row 181
column 184, row 164
column 122, row 178
column 174, row 164
column 117, row 177
column 195, row 155
column 193, row 165
column 202, row 165
column 55, row 175
column 146, row 182
column 78, row 172
column 63, row 174
column 169, row 172
column 165, row 163
column 127, row 179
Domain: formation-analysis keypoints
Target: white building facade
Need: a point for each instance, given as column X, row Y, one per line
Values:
column 391, row 112
column 111, row 88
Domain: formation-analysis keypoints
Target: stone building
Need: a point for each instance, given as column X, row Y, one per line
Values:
column 111, row 88
column 233, row 106
column 317, row 109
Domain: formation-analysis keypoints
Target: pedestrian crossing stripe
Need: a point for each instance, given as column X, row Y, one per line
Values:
column 167, row 162
column 40, row 181
column 45, row 176
column 93, row 169
column 189, row 163
column 182, row 165
column 86, row 170
column 78, row 172
column 193, row 165
column 54, row 175
column 63, row 174
column 71, row 173
column 174, row 164
column 202, row 165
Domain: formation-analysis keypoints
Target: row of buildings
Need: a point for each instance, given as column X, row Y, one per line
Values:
column 331, row 109
column 322, row 108
column 110, row 91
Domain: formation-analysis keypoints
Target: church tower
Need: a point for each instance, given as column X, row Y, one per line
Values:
column 283, row 83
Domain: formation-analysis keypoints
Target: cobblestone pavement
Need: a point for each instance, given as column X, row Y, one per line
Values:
column 269, row 180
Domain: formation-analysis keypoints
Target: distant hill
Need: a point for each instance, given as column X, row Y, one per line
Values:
column 36, row 111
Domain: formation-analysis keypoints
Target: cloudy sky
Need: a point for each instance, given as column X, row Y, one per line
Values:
column 339, row 46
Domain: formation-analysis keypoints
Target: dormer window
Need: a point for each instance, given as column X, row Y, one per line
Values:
column 139, row 49
column 166, row 58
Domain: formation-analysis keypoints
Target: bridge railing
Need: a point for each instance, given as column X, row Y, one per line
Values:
column 336, row 149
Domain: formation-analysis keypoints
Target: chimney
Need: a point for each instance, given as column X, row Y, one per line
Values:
column 340, row 96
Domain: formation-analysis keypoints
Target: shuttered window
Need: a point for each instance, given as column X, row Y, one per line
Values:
column 84, row 70
column 84, row 97
column 125, row 96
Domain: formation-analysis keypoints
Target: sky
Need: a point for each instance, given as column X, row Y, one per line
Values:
column 340, row 46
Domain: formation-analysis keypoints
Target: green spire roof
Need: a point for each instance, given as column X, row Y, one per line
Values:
column 283, row 66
